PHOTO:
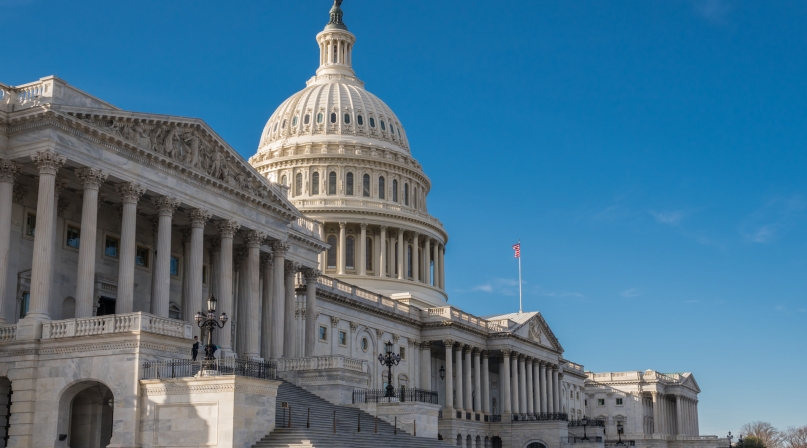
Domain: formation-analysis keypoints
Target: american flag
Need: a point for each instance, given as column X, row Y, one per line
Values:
column 517, row 248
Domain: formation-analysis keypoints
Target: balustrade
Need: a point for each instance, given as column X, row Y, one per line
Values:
column 115, row 323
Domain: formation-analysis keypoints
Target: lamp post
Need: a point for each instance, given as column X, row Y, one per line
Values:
column 584, row 422
column 619, row 429
column 740, row 441
column 210, row 322
column 442, row 372
column 729, row 437
column 390, row 360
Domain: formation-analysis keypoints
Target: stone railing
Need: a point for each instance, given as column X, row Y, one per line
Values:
column 8, row 332
column 371, row 204
column 363, row 295
column 457, row 315
column 116, row 323
column 321, row 363
column 307, row 225
column 571, row 366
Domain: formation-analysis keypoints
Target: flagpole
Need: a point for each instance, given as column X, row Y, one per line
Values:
column 519, row 280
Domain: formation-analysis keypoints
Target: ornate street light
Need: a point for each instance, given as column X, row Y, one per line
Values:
column 390, row 360
column 729, row 437
column 442, row 372
column 584, row 422
column 619, row 429
column 210, row 322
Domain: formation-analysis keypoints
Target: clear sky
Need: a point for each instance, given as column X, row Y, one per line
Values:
column 650, row 155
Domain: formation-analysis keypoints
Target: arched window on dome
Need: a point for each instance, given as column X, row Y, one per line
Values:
column 368, row 254
column 394, row 190
column 409, row 261
column 294, row 121
column 307, row 119
column 372, row 122
column 347, row 118
column 365, row 186
column 332, row 182
column 381, row 188
column 349, row 184
column 319, row 117
column 350, row 253
column 332, row 252
column 298, row 184
column 276, row 123
column 360, row 120
column 333, row 117
column 284, row 180
column 284, row 123
column 406, row 194
column 315, row 183
column 383, row 128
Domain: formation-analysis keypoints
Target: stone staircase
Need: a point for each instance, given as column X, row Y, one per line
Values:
column 321, row 433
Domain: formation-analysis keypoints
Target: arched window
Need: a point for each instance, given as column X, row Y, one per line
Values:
column 294, row 121
column 360, row 120
column 415, row 196
column 394, row 190
column 174, row 312
column 383, row 128
column 284, row 124
column 365, row 186
column 284, row 180
column 368, row 254
column 276, row 123
column 372, row 122
column 347, row 118
column 332, row 182
column 409, row 261
column 406, row 194
column 315, row 183
column 349, row 184
column 350, row 253
column 307, row 119
column 319, row 117
column 381, row 188
column 332, row 251
column 298, row 184
column 396, row 259
column 333, row 117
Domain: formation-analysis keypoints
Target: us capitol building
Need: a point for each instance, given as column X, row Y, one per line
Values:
column 116, row 226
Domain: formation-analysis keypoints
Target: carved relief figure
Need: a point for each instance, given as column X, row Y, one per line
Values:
column 535, row 331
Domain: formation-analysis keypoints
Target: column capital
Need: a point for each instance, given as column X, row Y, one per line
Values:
column 395, row 338
column 311, row 275
column 130, row 192
column 291, row 267
column 280, row 248
column 255, row 238
column 379, row 333
column 363, row 226
column 334, row 321
column 383, row 228
column 48, row 162
column 199, row 217
column 166, row 205
column 529, row 359
column 91, row 178
column 426, row 345
column 506, row 352
column 8, row 170
column 449, row 343
column 485, row 354
column 228, row 227
column 342, row 224
column 354, row 326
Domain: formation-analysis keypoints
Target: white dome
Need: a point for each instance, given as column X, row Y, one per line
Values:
column 332, row 106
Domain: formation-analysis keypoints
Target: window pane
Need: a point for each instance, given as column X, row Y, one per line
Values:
column 333, row 118
column 365, row 186
column 332, row 182
column 306, row 119
column 372, row 122
column 394, row 190
column 360, row 120
column 315, row 183
column 406, row 194
column 284, row 124
column 111, row 247
column 409, row 261
column 294, row 121
column 381, row 188
column 342, row 338
column 323, row 333
column 30, row 224
column 368, row 254
column 319, row 117
column 284, row 180
column 142, row 256
column 174, row 266
column 349, row 184
column 350, row 253
column 383, row 128
column 298, row 184
column 72, row 237
column 347, row 118
column 332, row 251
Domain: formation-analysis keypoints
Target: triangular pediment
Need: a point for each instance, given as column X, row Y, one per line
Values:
column 533, row 327
column 690, row 382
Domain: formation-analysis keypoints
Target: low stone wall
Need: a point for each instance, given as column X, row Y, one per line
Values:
column 418, row 419
column 222, row 411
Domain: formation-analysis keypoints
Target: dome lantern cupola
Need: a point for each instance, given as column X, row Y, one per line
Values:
column 336, row 46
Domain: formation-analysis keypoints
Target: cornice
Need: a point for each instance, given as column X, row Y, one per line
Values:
column 358, row 211
column 337, row 298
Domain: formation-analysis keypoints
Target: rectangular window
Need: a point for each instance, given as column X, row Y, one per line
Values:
column 619, row 402
column 204, row 274
column 72, row 238
column 601, row 402
column 30, row 224
column 403, row 352
column 111, row 246
column 142, row 256
column 323, row 333
column 24, row 303
column 174, row 267
column 343, row 338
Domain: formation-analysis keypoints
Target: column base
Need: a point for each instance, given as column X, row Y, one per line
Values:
column 29, row 328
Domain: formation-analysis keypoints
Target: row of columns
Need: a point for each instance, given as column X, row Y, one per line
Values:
column 431, row 251
column 675, row 414
column 278, row 298
column 529, row 385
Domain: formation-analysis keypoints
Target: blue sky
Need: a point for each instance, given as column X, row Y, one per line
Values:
column 649, row 155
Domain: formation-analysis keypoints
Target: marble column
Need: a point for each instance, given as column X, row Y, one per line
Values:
column 279, row 250
column 679, row 415
column 656, row 417
column 536, row 386
column 467, row 381
column 341, row 251
column 166, row 206
column 436, row 261
column 485, row 382
column 416, row 259
column 290, row 304
column 426, row 365
column 522, row 386
column 401, row 257
column 266, row 304
column 363, row 250
column 542, row 384
column 515, row 383
column 8, row 171
column 91, row 180
column 130, row 194
column 382, row 247
column 477, row 396
column 555, row 390
column 504, row 379
column 697, row 419
column 227, row 229
column 253, row 301
column 198, row 219
column 459, row 379
column 550, row 390
column 443, row 267
column 311, row 277
column 449, row 404
column 529, row 382
column 427, row 261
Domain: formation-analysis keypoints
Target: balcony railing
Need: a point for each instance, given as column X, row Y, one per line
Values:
column 321, row 363
column 185, row 368
column 620, row 443
column 116, row 323
column 543, row 416
column 402, row 395
column 591, row 422
column 573, row 440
